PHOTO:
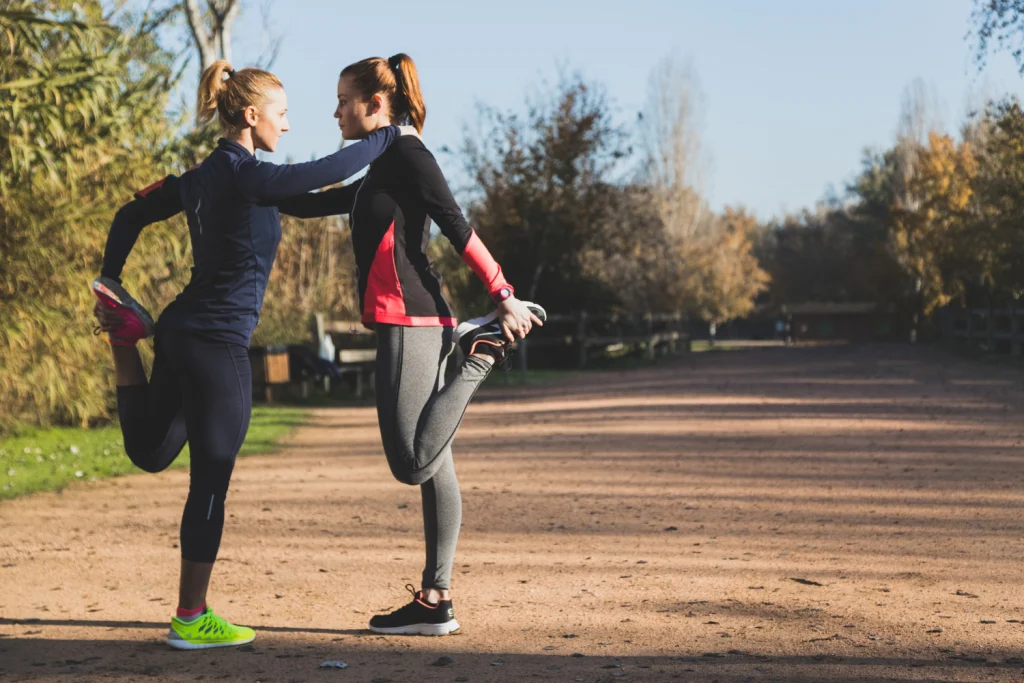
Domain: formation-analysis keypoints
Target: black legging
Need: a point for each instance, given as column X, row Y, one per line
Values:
column 200, row 391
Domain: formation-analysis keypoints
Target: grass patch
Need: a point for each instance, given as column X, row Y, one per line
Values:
column 705, row 346
column 50, row 459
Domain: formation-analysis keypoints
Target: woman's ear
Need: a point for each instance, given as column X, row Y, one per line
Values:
column 251, row 116
column 376, row 104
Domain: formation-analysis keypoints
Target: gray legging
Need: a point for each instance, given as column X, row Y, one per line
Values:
column 419, row 415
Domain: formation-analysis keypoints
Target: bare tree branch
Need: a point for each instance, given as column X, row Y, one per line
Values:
column 918, row 117
column 200, row 34
column 224, row 14
column 670, row 129
column 270, row 42
column 998, row 26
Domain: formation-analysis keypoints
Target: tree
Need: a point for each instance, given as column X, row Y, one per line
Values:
column 927, row 232
column 808, row 257
column 631, row 253
column 994, row 234
column 547, row 203
column 64, row 85
column 674, row 166
column 998, row 26
column 313, row 273
column 725, row 272
column 82, row 126
column 711, row 270
column 846, row 250
column 541, row 191
column 918, row 118
column 211, row 31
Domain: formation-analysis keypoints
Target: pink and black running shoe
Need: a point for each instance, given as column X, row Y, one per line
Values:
column 136, row 322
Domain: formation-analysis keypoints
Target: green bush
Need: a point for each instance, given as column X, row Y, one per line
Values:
column 82, row 126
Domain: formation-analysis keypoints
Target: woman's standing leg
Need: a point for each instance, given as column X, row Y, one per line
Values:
column 442, row 518
column 216, row 388
column 442, row 512
column 410, row 377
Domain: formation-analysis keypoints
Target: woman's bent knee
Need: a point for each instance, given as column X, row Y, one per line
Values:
column 146, row 460
column 412, row 476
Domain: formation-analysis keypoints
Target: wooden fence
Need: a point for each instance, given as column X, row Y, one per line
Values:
column 994, row 330
column 647, row 333
column 575, row 339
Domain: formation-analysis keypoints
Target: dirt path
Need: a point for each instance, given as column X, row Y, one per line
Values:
column 781, row 515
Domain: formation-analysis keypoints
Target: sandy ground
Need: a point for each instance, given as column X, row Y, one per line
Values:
column 828, row 514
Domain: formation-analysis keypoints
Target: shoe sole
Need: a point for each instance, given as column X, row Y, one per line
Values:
column 115, row 292
column 419, row 629
column 467, row 327
column 470, row 326
column 537, row 310
column 185, row 645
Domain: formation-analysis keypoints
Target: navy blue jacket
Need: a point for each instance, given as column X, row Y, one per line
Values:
column 230, row 202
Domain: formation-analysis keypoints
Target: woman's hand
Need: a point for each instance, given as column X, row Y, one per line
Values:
column 106, row 318
column 516, row 318
column 410, row 130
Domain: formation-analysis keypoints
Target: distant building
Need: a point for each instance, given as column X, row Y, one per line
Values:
column 853, row 321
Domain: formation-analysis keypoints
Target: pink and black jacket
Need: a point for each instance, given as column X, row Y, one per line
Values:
column 390, row 210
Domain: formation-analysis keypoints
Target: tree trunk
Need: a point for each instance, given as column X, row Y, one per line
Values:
column 212, row 42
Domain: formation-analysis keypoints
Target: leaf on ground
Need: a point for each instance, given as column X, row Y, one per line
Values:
column 806, row 582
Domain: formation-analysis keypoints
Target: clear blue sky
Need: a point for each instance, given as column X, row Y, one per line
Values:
column 794, row 89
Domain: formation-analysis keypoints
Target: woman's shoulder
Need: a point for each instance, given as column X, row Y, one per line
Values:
column 408, row 146
column 409, row 150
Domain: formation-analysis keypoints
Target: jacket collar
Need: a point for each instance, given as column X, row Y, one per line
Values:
column 234, row 147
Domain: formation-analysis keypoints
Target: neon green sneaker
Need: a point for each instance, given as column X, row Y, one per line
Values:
column 207, row 631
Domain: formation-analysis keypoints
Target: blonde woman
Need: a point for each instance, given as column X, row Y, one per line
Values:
column 200, row 389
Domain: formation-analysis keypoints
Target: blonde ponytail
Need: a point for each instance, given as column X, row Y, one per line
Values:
column 211, row 87
column 229, row 97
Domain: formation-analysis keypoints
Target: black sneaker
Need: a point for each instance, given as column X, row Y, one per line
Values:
column 485, row 335
column 418, row 618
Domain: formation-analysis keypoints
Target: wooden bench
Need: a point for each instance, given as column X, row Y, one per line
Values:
column 358, row 362
column 355, row 348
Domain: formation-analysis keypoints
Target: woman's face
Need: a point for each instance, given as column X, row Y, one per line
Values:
column 358, row 116
column 270, row 121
